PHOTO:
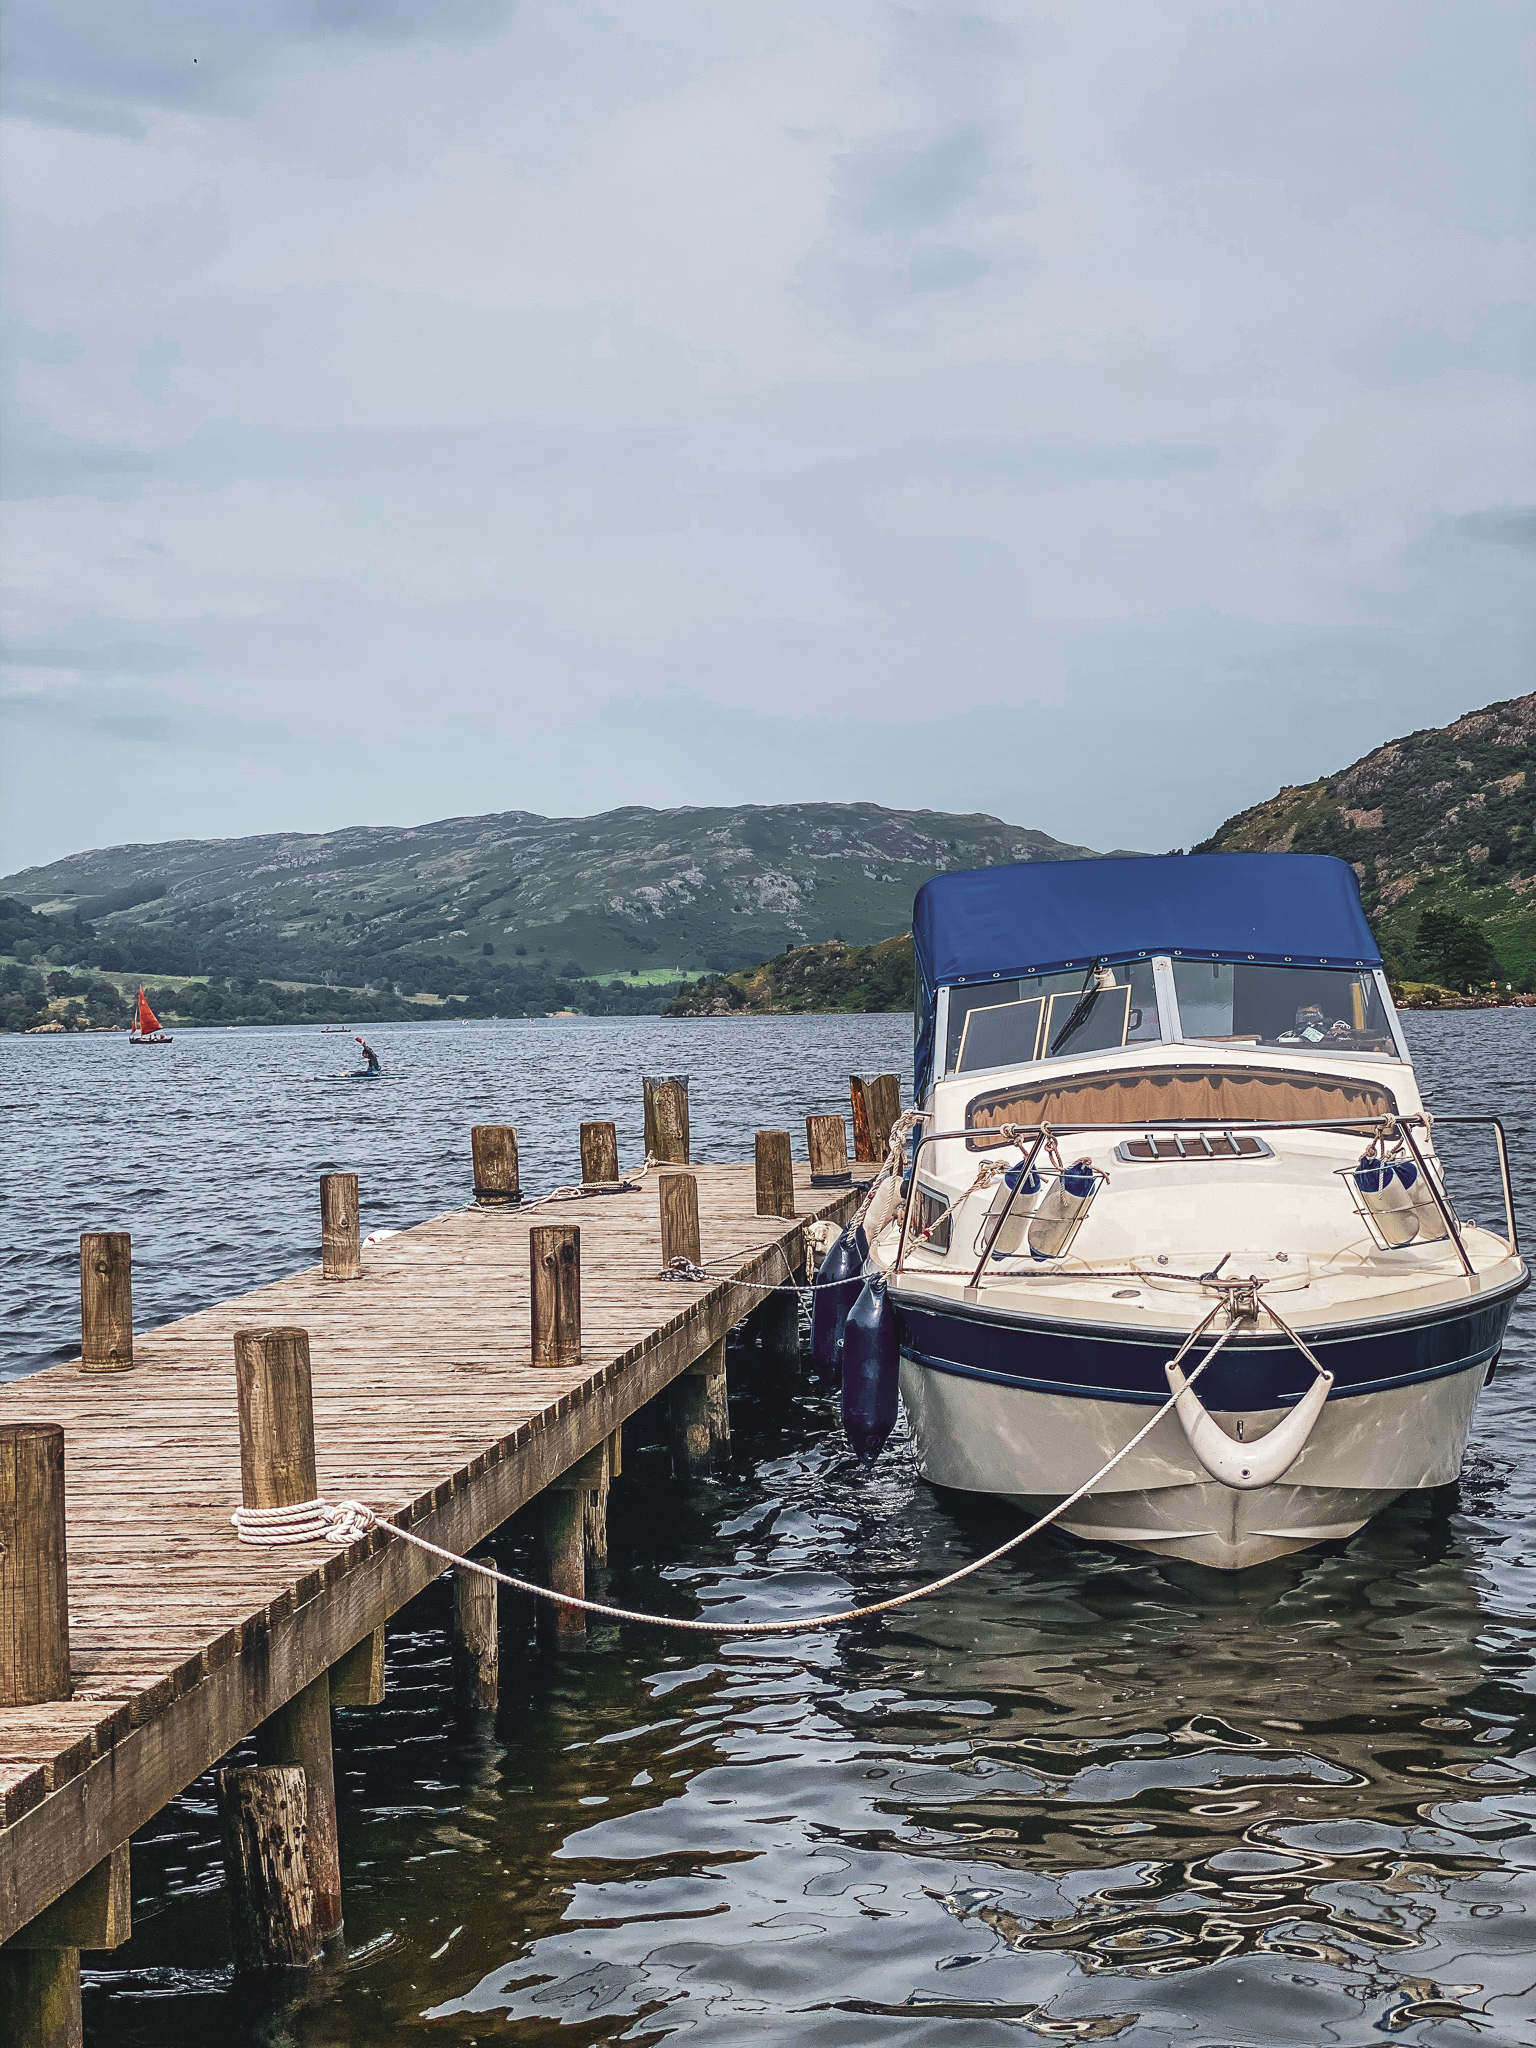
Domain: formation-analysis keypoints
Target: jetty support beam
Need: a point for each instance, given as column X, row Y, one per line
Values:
column 476, row 1647
column 40, row 1965
column 701, row 1420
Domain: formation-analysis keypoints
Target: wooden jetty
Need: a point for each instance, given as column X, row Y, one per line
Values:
column 459, row 1370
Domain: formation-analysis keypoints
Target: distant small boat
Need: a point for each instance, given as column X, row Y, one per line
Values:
column 147, row 1028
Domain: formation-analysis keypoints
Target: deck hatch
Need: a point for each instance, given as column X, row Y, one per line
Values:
column 1192, row 1145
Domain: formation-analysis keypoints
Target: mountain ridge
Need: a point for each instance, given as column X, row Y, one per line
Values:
column 449, row 906
column 1441, row 820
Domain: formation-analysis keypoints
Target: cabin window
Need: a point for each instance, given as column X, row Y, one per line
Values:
column 1050, row 1016
column 927, row 1228
column 1327, row 1009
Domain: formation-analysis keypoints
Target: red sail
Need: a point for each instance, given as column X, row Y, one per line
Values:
column 148, row 1021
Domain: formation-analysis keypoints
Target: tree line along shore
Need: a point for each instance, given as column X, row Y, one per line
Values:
column 1448, row 965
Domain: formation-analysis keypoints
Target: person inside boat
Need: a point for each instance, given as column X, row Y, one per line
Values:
column 370, row 1056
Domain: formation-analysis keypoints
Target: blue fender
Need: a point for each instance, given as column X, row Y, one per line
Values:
column 871, row 1370
column 833, row 1293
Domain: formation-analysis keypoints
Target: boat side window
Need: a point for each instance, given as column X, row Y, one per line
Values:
column 1050, row 1016
column 1243, row 1003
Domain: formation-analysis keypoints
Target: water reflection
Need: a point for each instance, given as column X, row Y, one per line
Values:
column 1090, row 1795
column 1106, row 1766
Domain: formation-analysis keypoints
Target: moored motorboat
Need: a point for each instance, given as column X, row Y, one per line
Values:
column 147, row 1028
column 1170, row 1142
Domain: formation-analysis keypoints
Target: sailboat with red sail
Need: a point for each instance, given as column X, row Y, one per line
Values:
column 147, row 1028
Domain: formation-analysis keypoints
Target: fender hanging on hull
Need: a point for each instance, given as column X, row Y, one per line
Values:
column 871, row 1370
column 833, row 1293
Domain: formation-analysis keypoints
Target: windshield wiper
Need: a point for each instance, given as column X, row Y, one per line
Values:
column 1080, row 1010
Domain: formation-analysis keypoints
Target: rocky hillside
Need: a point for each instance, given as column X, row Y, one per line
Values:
column 1442, row 821
column 830, row 977
column 457, row 905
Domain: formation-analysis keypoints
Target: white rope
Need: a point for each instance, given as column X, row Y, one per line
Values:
column 306, row 1522
column 350, row 1519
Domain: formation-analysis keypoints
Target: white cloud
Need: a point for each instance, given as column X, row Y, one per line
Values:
column 515, row 370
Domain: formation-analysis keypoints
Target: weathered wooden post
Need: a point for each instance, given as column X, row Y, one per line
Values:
column 826, row 1140
column 34, row 1574
column 775, row 1175
column 888, row 1105
column 678, row 1195
column 40, row 1997
column 41, row 1987
column 340, row 1250
column 876, row 1106
column 666, row 1118
column 700, row 1414
column 599, row 1155
column 106, row 1301
column 596, row 1471
column 494, row 1151
column 476, row 1650
column 40, row 1964
column 264, row 1823
column 563, row 1551
column 554, row 1263
column 700, row 1420
column 277, row 1470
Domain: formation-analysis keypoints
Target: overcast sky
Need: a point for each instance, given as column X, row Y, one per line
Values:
column 1092, row 412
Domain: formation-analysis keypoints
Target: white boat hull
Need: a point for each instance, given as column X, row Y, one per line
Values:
column 1034, row 1447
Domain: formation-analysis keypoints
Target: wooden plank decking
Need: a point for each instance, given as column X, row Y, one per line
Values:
column 182, row 1640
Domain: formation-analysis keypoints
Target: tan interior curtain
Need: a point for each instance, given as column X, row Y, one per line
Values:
column 1213, row 1095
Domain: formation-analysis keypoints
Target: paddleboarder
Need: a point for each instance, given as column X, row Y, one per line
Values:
column 370, row 1056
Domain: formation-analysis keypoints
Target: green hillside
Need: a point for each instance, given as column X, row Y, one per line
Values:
column 830, row 977
column 477, row 906
column 1440, row 822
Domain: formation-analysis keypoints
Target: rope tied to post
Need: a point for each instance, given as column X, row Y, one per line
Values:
column 305, row 1522
column 349, row 1520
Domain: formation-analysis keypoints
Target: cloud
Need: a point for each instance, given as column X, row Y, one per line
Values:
column 1509, row 526
column 1006, row 408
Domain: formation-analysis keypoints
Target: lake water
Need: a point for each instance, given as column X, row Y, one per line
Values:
column 1085, row 1795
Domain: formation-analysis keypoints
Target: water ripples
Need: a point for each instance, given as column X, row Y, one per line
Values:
column 1087, row 1796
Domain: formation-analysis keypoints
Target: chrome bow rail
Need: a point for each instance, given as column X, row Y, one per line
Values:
column 1029, row 1139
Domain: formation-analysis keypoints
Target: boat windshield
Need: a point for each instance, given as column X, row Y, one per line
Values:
column 1054, row 1016
column 1050, row 1016
column 1298, row 1007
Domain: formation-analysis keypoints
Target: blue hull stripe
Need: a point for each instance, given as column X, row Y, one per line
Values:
column 1078, row 1359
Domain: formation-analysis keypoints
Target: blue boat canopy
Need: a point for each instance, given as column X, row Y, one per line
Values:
column 996, row 924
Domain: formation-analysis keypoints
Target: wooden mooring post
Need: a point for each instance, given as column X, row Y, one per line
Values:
column 106, row 1301
column 826, row 1141
column 599, row 1155
column 554, row 1263
column 876, row 1105
column 493, row 1149
column 775, row 1174
column 39, row 1980
column 277, row 1470
column 666, row 1118
column 340, row 1248
column 678, row 1196
column 34, row 1568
